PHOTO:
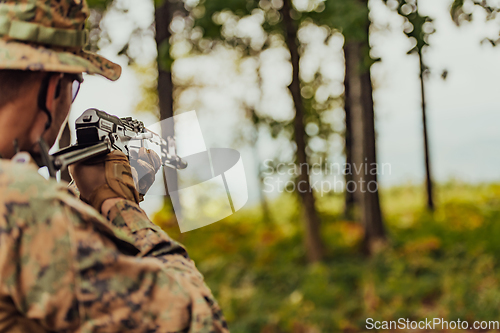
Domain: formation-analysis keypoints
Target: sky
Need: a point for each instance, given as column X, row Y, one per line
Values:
column 463, row 110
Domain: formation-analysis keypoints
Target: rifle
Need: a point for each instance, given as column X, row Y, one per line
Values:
column 99, row 133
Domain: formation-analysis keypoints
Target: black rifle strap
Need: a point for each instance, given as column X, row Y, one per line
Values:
column 46, row 159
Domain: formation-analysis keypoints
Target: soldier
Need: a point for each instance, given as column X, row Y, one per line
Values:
column 69, row 265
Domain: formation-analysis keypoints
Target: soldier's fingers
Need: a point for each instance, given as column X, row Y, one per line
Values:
column 144, row 168
column 150, row 156
column 143, row 154
column 134, row 154
column 155, row 159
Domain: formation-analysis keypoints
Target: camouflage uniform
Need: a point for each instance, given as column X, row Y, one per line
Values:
column 63, row 266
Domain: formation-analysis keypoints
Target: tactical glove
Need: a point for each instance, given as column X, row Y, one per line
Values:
column 145, row 163
column 120, row 180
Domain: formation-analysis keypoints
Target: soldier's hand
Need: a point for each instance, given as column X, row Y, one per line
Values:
column 104, row 178
column 145, row 163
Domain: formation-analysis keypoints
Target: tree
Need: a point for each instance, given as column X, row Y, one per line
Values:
column 364, row 137
column 312, row 223
column 351, row 18
column 359, row 97
column 164, row 13
column 344, row 16
column 349, row 199
column 273, row 14
column 254, row 140
column 418, row 28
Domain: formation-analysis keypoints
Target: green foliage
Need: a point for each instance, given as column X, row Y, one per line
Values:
column 348, row 17
column 205, row 12
column 211, row 17
column 457, row 12
column 99, row 4
column 460, row 14
column 443, row 265
column 148, row 76
column 416, row 27
column 314, row 116
column 164, row 58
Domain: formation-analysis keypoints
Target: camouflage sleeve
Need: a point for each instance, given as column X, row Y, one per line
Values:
column 152, row 241
column 66, row 269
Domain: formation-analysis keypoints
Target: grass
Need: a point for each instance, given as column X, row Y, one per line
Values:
column 442, row 265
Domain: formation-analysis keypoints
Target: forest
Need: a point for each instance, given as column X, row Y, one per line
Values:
column 332, row 233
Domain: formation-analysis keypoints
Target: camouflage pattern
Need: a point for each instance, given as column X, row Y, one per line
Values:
column 66, row 268
column 49, row 35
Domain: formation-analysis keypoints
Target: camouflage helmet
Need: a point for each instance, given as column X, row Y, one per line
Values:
column 49, row 35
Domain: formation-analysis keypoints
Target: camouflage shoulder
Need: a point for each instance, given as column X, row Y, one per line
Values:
column 21, row 181
column 25, row 195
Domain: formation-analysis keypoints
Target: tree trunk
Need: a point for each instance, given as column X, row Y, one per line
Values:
column 65, row 141
column 313, row 241
column 349, row 199
column 360, row 101
column 354, row 95
column 428, row 174
column 266, row 213
column 375, row 231
column 163, row 17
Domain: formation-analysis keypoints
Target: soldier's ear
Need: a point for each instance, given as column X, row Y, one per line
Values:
column 53, row 90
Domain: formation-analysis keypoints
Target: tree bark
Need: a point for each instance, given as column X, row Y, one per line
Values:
column 313, row 241
column 375, row 231
column 349, row 198
column 360, row 101
column 354, row 95
column 266, row 213
column 428, row 173
column 163, row 17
